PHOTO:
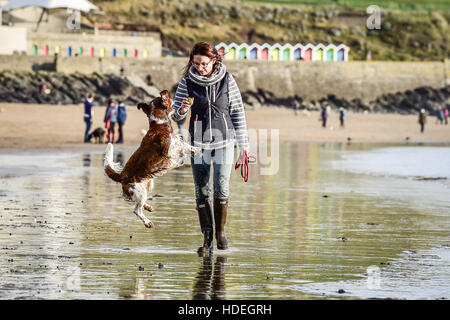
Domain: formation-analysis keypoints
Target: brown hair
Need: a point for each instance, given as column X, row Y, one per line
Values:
column 204, row 49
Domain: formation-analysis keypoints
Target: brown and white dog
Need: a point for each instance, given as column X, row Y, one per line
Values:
column 160, row 151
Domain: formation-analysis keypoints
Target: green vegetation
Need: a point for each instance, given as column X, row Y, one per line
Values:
column 411, row 35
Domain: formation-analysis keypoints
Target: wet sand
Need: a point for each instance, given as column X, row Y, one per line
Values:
column 315, row 230
column 26, row 126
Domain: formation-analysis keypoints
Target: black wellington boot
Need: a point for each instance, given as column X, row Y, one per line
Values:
column 220, row 218
column 206, row 224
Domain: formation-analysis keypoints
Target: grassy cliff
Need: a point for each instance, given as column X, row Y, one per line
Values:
column 410, row 30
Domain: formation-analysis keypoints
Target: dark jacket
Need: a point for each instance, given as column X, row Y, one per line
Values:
column 121, row 114
column 87, row 110
column 210, row 120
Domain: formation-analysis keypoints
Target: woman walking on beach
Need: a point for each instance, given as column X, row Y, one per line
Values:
column 217, row 114
column 110, row 120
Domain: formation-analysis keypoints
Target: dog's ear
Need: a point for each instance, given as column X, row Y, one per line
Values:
column 165, row 97
column 144, row 106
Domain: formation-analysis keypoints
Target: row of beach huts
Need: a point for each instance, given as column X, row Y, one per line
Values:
column 283, row 52
column 232, row 51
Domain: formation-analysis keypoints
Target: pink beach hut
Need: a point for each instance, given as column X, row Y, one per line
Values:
column 307, row 55
column 221, row 48
column 264, row 52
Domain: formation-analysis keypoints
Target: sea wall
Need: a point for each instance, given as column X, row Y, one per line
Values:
column 310, row 80
column 13, row 39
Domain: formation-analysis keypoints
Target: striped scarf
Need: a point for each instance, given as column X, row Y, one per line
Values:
column 204, row 81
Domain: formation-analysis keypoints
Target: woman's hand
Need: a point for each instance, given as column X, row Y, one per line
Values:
column 241, row 158
column 184, row 106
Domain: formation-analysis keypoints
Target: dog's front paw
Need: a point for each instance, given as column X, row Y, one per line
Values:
column 195, row 150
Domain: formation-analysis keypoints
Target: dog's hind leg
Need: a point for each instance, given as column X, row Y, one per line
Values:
column 149, row 189
column 139, row 212
column 138, row 193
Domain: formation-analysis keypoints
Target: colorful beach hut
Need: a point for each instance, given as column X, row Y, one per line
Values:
column 221, row 48
column 297, row 52
column 264, row 52
column 242, row 52
column 342, row 52
column 254, row 52
column 286, row 53
column 232, row 52
column 318, row 53
column 307, row 55
column 330, row 53
column 275, row 52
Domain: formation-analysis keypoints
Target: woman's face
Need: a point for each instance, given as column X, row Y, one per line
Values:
column 203, row 64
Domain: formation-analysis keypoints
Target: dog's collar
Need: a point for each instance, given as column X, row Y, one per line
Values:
column 157, row 120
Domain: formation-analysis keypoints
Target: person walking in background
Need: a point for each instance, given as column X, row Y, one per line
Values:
column 121, row 118
column 446, row 115
column 88, row 115
column 217, row 116
column 422, row 120
column 296, row 107
column 342, row 116
column 324, row 116
column 440, row 116
column 110, row 120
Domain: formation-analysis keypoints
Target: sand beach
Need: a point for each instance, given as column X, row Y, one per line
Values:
column 29, row 126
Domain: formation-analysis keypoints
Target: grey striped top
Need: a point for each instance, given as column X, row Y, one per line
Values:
column 236, row 110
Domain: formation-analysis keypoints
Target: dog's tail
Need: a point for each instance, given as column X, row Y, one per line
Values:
column 112, row 169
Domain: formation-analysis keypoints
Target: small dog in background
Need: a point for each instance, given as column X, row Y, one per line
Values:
column 98, row 134
column 160, row 151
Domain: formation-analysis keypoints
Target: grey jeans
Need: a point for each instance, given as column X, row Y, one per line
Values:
column 222, row 161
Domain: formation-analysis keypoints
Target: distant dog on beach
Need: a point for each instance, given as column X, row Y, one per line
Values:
column 160, row 151
column 98, row 134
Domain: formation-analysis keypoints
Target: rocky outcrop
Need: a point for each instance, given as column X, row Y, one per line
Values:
column 407, row 102
column 58, row 88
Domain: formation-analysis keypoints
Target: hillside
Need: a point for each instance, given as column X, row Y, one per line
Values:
column 410, row 30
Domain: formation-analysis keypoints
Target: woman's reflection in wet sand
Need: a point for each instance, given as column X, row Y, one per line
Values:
column 209, row 285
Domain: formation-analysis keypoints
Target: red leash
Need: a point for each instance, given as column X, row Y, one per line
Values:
column 244, row 165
